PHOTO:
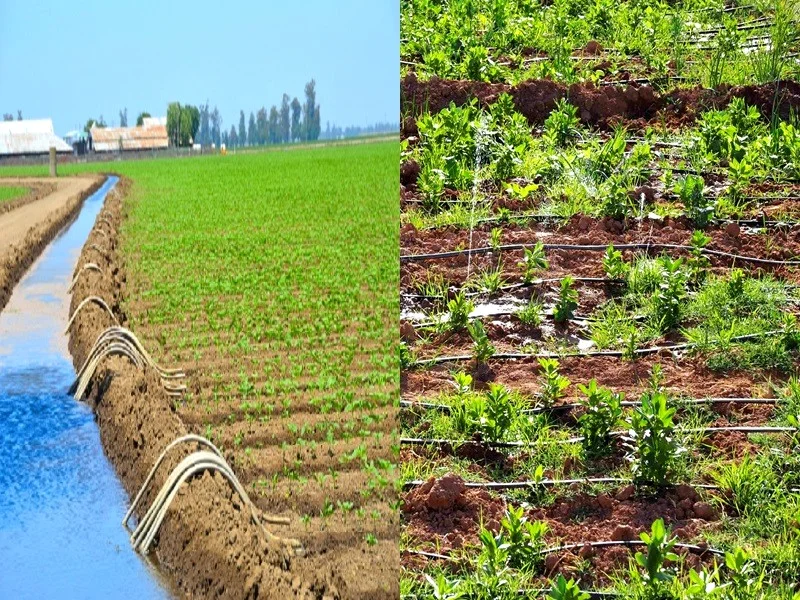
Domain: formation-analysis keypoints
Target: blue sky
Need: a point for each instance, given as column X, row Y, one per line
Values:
column 74, row 60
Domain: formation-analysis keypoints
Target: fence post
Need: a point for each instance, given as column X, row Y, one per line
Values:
column 53, row 162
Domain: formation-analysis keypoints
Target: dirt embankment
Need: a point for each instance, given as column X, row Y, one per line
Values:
column 207, row 544
column 26, row 231
column 598, row 106
column 36, row 191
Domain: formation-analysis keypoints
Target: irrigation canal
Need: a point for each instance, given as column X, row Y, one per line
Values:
column 61, row 503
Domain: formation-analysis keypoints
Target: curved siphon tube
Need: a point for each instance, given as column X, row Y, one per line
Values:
column 85, row 267
column 196, row 462
column 97, row 300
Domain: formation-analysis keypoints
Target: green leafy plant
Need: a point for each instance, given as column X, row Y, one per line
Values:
column 499, row 413
column 602, row 411
column 534, row 261
column 614, row 265
column 652, row 448
column 482, row 348
column 459, row 309
column 520, row 539
column 669, row 298
column 553, row 383
column 531, row 315
column 561, row 126
column 567, row 302
column 564, row 589
column 691, row 191
column 659, row 550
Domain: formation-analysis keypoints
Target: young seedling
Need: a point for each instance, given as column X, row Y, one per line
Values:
column 561, row 125
column 614, row 265
column 535, row 260
column 495, row 239
column 482, row 351
column 531, row 315
column 564, row 309
column 520, row 539
column 553, row 383
column 659, row 550
column 459, row 309
column 564, row 589
column 602, row 412
column 499, row 413
column 652, row 448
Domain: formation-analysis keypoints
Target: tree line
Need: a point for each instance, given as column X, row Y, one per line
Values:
column 291, row 122
column 10, row 117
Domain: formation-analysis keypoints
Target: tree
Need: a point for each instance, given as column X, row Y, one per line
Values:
column 182, row 123
column 311, row 112
column 233, row 137
column 216, row 127
column 174, row 123
column 252, row 135
column 262, row 126
column 242, row 132
column 19, row 115
column 274, row 126
column 89, row 125
column 204, row 134
column 225, row 140
column 8, row 117
column 142, row 116
column 296, row 127
column 285, row 123
column 123, row 117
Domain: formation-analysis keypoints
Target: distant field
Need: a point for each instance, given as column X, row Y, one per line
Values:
column 11, row 193
column 272, row 278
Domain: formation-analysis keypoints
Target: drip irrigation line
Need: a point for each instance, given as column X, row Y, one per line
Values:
column 740, row 26
column 408, row 405
column 544, row 218
column 515, row 286
column 596, row 248
column 602, row 544
column 618, row 353
column 575, row 546
column 519, row 485
column 574, row 440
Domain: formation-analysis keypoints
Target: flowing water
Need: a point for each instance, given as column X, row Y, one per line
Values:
column 61, row 504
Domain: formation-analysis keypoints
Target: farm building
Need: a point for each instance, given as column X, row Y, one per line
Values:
column 35, row 136
column 152, row 135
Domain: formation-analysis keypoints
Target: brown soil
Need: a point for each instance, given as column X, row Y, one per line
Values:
column 630, row 377
column 601, row 106
column 26, row 230
column 783, row 244
column 443, row 515
column 36, row 191
column 207, row 543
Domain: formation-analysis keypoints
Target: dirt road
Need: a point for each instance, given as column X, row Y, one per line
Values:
column 26, row 230
column 15, row 224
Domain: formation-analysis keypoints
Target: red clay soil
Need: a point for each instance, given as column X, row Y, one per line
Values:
column 776, row 244
column 601, row 106
column 445, row 516
column 689, row 377
column 16, row 259
column 207, row 545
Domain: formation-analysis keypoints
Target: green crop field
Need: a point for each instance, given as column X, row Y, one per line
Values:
column 8, row 193
column 600, row 258
column 272, row 279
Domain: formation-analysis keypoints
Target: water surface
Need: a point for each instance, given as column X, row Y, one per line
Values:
column 61, row 503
